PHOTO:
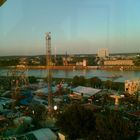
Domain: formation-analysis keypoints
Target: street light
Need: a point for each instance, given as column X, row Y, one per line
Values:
column 55, row 107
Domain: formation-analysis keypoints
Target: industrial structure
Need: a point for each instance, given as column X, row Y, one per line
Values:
column 117, row 97
column 18, row 79
column 49, row 74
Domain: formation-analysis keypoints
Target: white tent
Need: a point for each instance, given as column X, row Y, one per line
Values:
column 44, row 134
column 86, row 91
column 23, row 119
column 1, row 107
column 45, row 90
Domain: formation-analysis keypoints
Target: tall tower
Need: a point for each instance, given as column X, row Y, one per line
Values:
column 103, row 52
column 49, row 75
column 66, row 59
column 55, row 57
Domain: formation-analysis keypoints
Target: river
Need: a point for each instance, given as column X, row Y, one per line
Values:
column 87, row 73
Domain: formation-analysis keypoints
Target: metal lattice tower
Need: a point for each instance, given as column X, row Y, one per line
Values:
column 19, row 73
column 49, row 75
column 18, row 78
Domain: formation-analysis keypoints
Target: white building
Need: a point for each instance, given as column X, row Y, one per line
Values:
column 40, row 134
column 119, row 62
column 85, row 91
column 84, row 62
column 103, row 52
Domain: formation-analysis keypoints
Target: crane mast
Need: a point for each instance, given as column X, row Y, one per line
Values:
column 49, row 75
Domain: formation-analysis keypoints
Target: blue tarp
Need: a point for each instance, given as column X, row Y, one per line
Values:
column 28, row 99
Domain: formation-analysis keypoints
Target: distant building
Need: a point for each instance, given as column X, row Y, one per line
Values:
column 132, row 86
column 103, row 52
column 119, row 62
column 82, row 91
column 84, row 62
column 67, row 60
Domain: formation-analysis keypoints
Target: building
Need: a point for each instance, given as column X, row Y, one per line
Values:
column 40, row 134
column 82, row 91
column 128, row 62
column 84, row 62
column 103, row 52
column 132, row 86
column 67, row 60
column 5, row 102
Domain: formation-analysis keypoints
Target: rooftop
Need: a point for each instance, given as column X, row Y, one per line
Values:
column 86, row 91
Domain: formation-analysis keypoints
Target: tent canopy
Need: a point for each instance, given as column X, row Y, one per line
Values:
column 86, row 91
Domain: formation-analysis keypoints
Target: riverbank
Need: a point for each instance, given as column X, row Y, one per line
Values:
column 120, row 68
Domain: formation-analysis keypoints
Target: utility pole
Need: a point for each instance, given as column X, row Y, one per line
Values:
column 49, row 75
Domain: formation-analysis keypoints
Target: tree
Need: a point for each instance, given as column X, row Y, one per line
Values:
column 112, row 126
column 108, row 84
column 75, row 80
column 32, row 79
column 95, row 82
column 79, row 81
column 59, row 61
column 76, row 121
column 82, row 81
column 91, row 61
column 7, row 82
column 38, row 112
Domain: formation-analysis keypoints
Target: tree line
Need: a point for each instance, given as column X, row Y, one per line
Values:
column 96, row 82
column 78, row 121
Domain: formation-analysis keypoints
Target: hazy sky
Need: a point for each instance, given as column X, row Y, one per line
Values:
column 77, row 26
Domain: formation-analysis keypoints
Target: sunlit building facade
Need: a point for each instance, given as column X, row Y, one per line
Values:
column 132, row 86
column 119, row 62
column 103, row 52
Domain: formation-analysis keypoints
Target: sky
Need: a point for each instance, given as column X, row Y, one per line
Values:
column 76, row 26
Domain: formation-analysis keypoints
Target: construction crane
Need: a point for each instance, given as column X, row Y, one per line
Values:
column 49, row 74
column 19, row 79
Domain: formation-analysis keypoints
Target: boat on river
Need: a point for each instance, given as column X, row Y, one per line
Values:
column 114, row 76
